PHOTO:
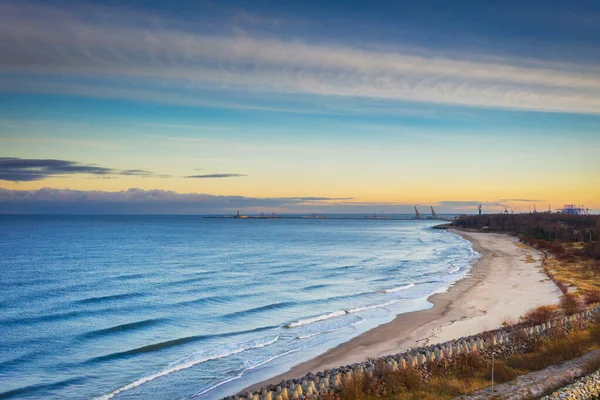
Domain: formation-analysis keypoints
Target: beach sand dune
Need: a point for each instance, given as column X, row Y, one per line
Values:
column 504, row 283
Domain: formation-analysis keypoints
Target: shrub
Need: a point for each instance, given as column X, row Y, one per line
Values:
column 395, row 382
column 557, row 249
column 550, row 353
column 502, row 372
column 570, row 303
column 463, row 365
column 591, row 297
column 353, row 388
column 539, row 315
column 595, row 333
column 520, row 336
column 593, row 249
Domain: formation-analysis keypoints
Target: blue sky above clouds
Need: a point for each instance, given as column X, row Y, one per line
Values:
column 293, row 99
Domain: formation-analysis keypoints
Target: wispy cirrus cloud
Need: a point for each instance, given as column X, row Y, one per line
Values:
column 51, row 41
column 211, row 176
column 520, row 201
column 25, row 170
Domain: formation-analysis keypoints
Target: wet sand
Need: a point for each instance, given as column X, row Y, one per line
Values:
column 504, row 283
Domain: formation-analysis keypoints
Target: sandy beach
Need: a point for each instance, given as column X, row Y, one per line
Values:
column 504, row 283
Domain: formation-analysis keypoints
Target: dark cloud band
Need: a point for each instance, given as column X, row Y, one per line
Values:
column 136, row 201
column 26, row 170
column 210, row 176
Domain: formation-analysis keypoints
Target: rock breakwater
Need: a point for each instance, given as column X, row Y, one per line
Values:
column 502, row 342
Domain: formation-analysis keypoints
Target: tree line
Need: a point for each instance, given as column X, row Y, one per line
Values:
column 541, row 226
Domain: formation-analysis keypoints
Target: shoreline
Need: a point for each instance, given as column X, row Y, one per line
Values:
column 505, row 282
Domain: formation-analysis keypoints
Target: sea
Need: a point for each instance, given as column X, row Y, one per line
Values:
column 186, row 307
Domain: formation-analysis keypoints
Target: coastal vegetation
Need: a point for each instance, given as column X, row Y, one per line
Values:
column 470, row 372
column 570, row 243
column 571, row 248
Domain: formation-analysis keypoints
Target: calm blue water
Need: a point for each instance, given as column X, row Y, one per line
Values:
column 179, row 306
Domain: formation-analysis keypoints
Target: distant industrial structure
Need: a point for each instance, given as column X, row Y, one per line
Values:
column 568, row 209
column 572, row 209
column 417, row 213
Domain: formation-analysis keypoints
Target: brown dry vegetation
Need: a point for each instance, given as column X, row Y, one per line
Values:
column 571, row 243
column 471, row 372
column 539, row 315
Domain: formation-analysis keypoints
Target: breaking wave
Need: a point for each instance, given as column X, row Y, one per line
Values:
column 198, row 358
column 399, row 288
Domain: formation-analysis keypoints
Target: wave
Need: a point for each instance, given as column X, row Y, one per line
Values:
column 53, row 317
column 42, row 386
column 209, row 299
column 183, row 281
column 268, row 360
column 343, row 267
column 355, row 310
column 123, row 327
column 191, row 361
column 316, row 319
column 256, row 310
column 337, row 314
column 19, row 360
column 399, row 288
column 130, row 276
column 453, row 270
column 30, row 282
column 99, row 299
column 170, row 343
column 309, row 335
column 315, row 287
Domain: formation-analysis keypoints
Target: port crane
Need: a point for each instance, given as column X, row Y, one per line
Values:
column 506, row 207
column 433, row 214
column 417, row 213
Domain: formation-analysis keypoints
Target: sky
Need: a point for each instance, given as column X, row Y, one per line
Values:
column 283, row 106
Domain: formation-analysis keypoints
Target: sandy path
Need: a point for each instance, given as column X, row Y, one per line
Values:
column 506, row 281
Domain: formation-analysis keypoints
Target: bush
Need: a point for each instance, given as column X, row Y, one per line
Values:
column 463, row 365
column 395, row 382
column 502, row 372
column 595, row 333
column 570, row 303
column 557, row 248
column 539, row 315
column 353, row 388
column 591, row 297
column 550, row 353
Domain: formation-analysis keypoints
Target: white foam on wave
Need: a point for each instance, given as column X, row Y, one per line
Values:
column 340, row 313
column 316, row 319
column 309, row 335
column 387, row 303
column 268, row 360
column 190, row 361
column 399, row 288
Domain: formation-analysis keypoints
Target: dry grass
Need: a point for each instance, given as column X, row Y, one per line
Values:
column 509, row 321
column 570, row 303
column 470, row 372
column 591, row 297
column 578, row 272
column 539, row 315
column 552, row 352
